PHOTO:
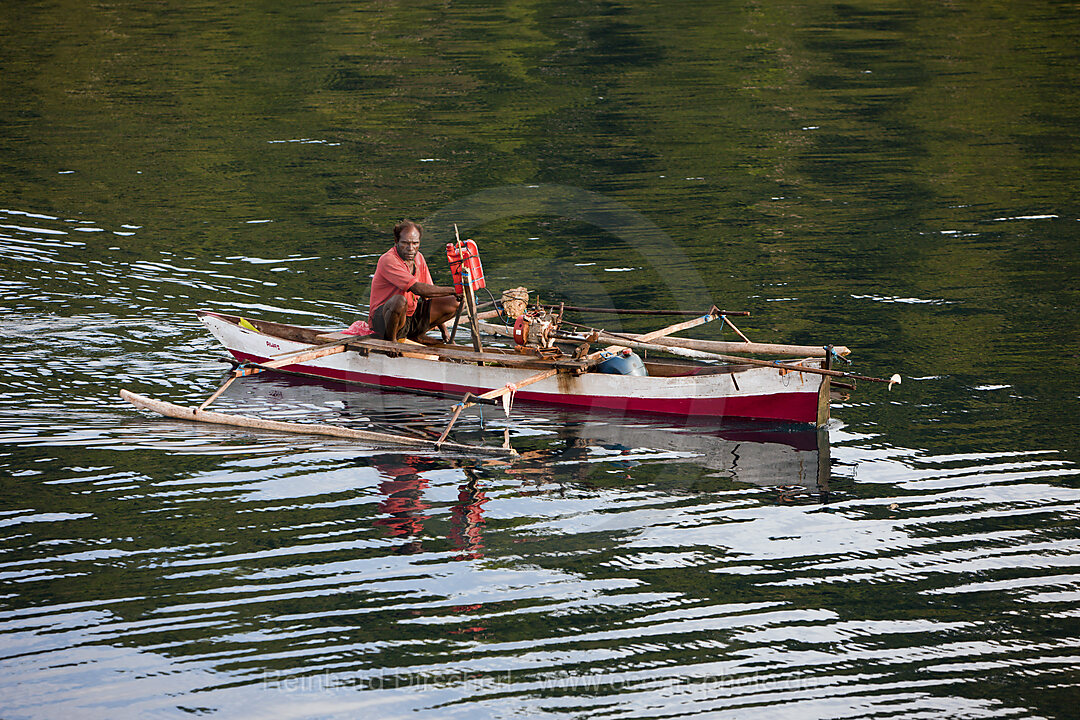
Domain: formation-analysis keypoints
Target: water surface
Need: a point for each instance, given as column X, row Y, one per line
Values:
column 892, row 178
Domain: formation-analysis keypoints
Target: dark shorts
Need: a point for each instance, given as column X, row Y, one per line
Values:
column 415, row 325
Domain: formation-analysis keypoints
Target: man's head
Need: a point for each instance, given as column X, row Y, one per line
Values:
column 407, row 236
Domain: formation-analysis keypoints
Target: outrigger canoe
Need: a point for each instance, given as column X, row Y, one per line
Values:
column 787, row 391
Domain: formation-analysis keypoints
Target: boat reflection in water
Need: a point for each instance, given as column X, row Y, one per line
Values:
column 555, row 445
column 764, row 457
column 696, row 457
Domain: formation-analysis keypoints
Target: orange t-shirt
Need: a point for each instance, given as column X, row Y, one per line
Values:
column 392, row 277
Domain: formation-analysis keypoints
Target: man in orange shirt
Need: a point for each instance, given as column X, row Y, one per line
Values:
column 404, row 301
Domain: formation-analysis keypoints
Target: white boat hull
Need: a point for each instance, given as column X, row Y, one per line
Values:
column 756, row 393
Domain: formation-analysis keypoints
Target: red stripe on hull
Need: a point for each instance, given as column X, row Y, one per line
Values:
column 780, row 407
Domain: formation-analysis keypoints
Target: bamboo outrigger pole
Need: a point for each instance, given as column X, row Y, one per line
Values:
column 278, row 361
column 491, row 395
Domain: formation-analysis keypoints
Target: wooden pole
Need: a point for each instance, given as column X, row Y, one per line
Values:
column 217, row 393
column 453, row 419
column 290, row 358
column 185, row 413
column 824, row 404
column 737, row 330
column 474, row 324
column 751, row 347
column 461, row 305
column 670, row 329
column 493, row 394
column 457, row 319
column 617, row 311
column 674, row 343
column 596, row 357
column 754, row 361
column 470, row 298
column 514, row 387
column 332, row 347
column 304, row 355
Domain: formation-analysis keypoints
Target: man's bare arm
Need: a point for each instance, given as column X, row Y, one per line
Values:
column 425, row 290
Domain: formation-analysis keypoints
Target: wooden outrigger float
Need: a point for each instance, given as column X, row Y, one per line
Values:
column 379, row 438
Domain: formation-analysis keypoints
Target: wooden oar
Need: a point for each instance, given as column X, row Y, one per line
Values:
column 185, row 413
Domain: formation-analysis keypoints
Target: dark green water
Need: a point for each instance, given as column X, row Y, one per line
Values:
column 899, row 178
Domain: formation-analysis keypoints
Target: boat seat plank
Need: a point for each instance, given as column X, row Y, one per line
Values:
column 506, row 359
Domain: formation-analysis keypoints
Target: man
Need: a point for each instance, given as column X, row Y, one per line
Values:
column 404, row 301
